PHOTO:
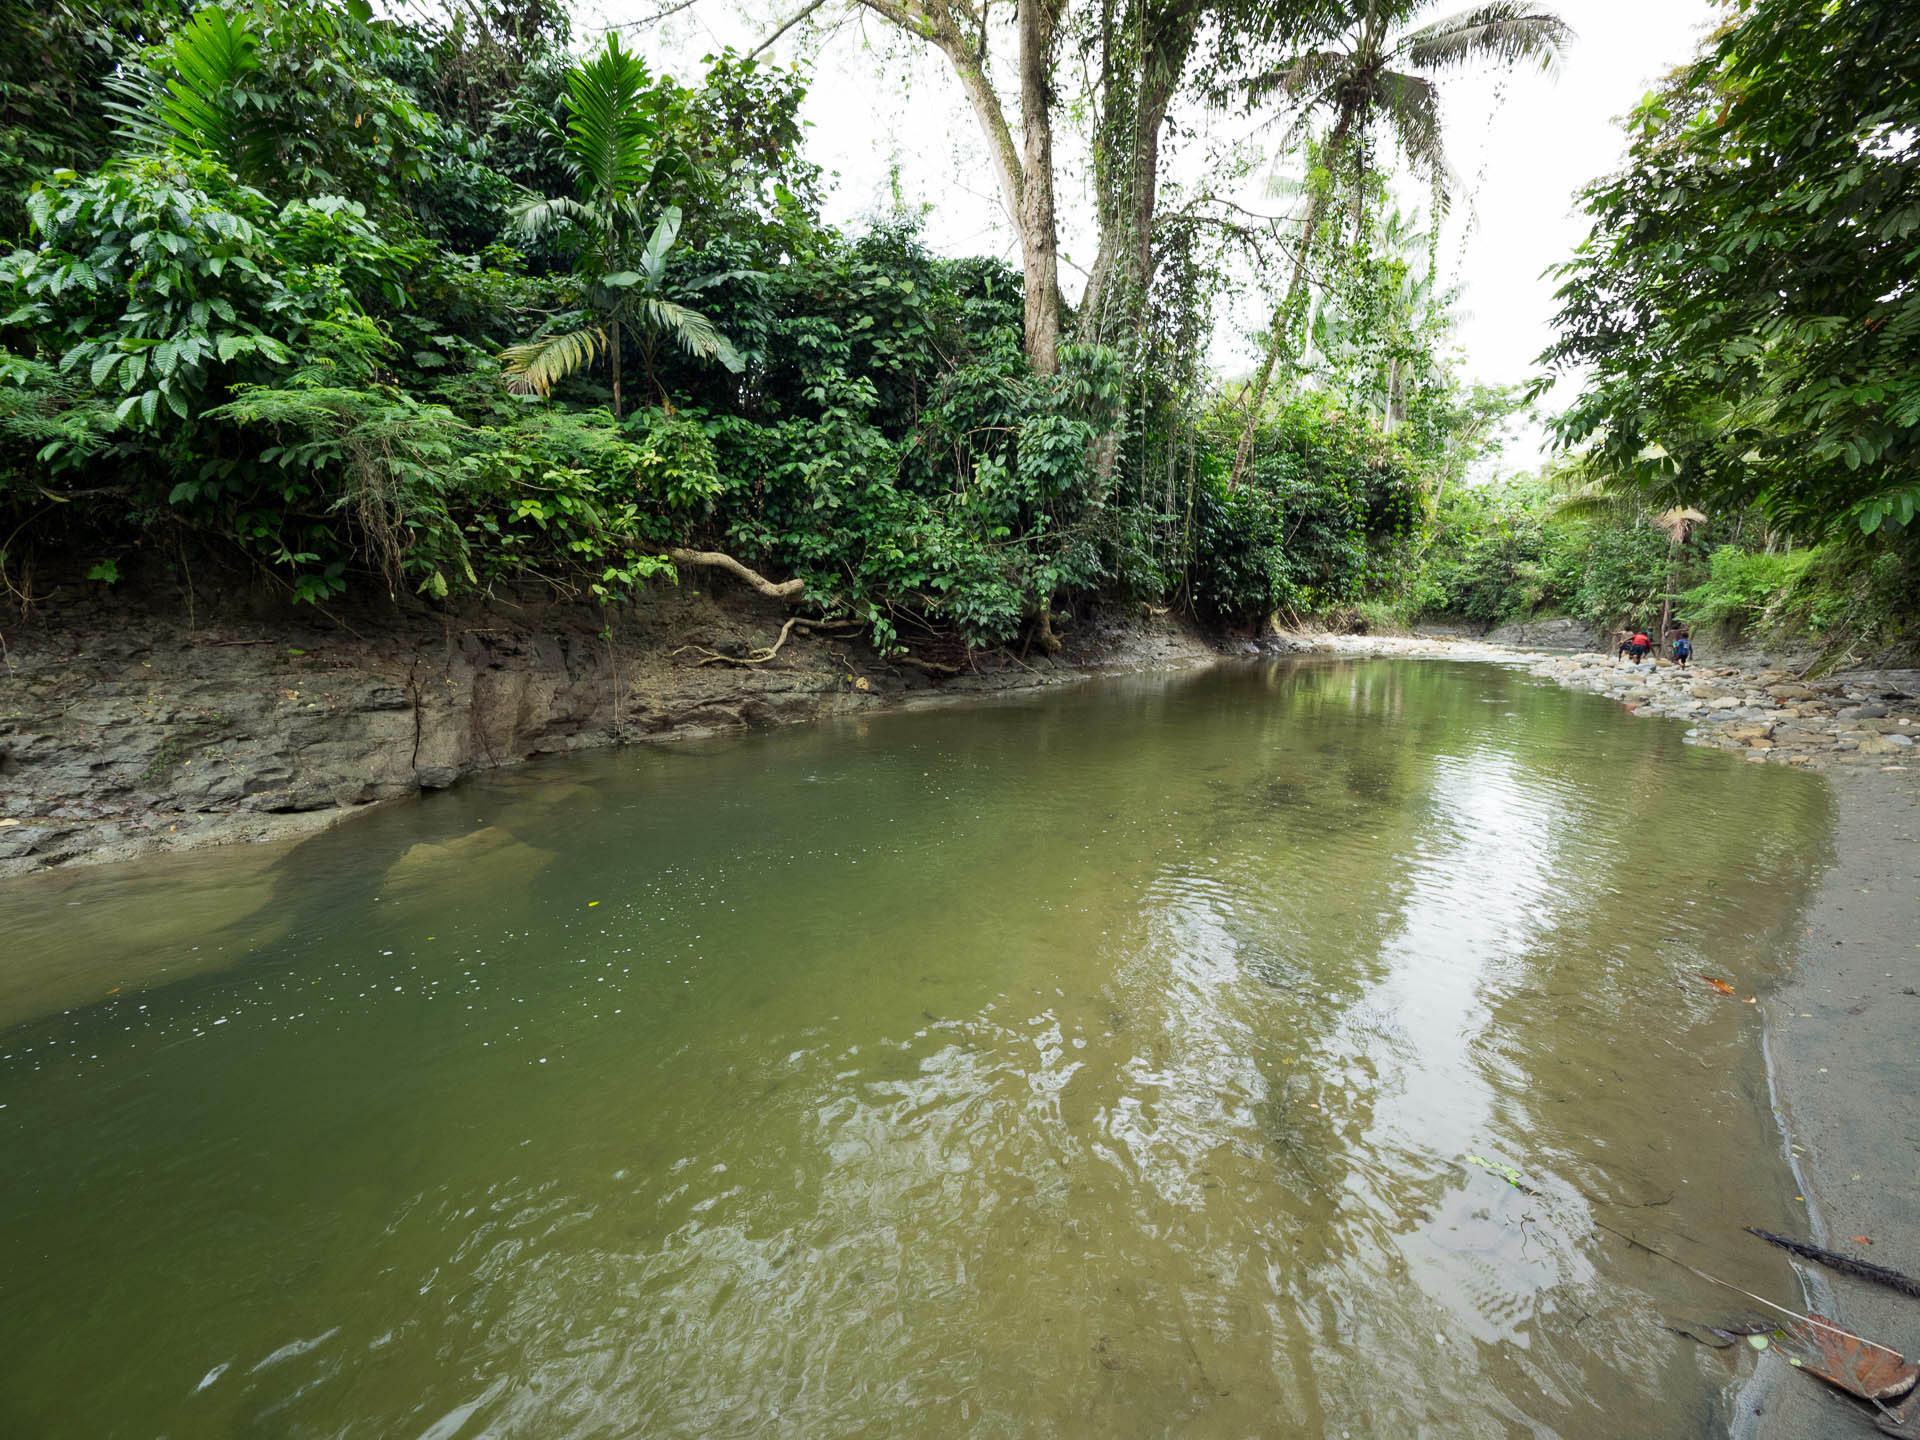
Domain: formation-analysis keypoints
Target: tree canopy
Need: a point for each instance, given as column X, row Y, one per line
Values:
column 1744, row 320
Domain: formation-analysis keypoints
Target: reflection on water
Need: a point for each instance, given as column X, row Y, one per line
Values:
column 1100, row 1063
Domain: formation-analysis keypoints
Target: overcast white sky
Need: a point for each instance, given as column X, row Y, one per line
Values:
column 1523, row 143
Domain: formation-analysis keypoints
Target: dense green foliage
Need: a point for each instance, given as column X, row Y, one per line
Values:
column 1745, row 309
column 1531, row 548
column 436, row 308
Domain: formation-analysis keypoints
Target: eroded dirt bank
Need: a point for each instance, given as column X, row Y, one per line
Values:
column 127, row 731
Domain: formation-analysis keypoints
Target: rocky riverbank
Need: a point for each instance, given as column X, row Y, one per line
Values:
column 1858, row 719
column 128, row 731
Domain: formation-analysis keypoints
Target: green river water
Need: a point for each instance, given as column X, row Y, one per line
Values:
column 1102, row 1062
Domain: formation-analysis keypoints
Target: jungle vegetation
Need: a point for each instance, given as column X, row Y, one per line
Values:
column 455, row 302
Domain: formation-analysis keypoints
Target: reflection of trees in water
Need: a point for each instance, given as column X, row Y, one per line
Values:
column 1227, row 874
column 1569, row 978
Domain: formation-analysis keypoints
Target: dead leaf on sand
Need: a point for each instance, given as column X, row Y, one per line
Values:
column 1860, row 1367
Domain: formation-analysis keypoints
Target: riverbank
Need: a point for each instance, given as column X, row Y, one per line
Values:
column 1841, row 1049
column 127, row 732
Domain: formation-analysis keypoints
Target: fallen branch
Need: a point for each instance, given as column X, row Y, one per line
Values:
column 713, row 559
column 1845, row 1264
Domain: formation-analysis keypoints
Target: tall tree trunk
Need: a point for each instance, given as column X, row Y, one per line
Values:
column 1144, row 55
column 1024, row 169
column 1039, row 238
column 1666, row 598
column 1255, row 398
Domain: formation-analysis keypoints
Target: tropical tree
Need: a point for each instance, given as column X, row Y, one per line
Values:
column 1382, row 77
column 293, row 100
column 1743, row 318
column 617, row 145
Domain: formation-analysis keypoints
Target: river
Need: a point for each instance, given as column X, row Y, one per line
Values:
column 1139, row 1058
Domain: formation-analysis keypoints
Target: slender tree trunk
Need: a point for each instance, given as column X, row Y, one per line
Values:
column 1039, row 238
column 1024, row 168
column 613, row 356
column 1255, row 398
column 1666, row 598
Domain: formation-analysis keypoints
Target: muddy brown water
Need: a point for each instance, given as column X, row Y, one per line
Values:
column 1136, row 1059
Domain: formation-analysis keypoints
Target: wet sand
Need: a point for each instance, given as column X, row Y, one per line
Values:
column 1846, row 1071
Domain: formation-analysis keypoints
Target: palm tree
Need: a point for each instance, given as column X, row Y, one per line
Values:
column 1372, row 80
column 613, row 144
column 1371, row 344
column 1677, row 524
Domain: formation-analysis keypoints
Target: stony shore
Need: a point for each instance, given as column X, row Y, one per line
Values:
column 1859, row 719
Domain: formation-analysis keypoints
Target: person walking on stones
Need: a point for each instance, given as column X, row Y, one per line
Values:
column 1682, row 649
column 1636, row 646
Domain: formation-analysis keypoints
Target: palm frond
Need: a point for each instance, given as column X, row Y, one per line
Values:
column 540, row 214
column 1411, row 105
column 1500, row 32
column 1601, row 497
column 691, row 331
column 610, row 135
column 536, row 366
column 1307, row 78
column 193, row 109
column 1677, row 523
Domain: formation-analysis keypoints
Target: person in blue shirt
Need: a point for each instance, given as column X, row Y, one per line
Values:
column 1682, row 649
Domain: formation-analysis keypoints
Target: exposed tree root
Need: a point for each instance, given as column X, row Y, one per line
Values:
column 785, row 590
column 927, row 667
column 752, row 657
column 1043, row 630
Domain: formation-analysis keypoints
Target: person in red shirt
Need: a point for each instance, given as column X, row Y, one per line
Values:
column 1636, row 646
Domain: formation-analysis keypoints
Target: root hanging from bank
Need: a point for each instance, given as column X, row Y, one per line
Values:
column 713, row 559
column 927, row 667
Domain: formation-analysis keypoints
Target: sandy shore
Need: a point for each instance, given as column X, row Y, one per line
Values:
column 1846, row 1075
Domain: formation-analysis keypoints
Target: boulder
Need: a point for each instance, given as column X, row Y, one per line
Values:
column 1884, row 683
column 1562, row 634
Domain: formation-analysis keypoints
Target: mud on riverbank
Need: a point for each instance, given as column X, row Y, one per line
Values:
column 128, row 731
